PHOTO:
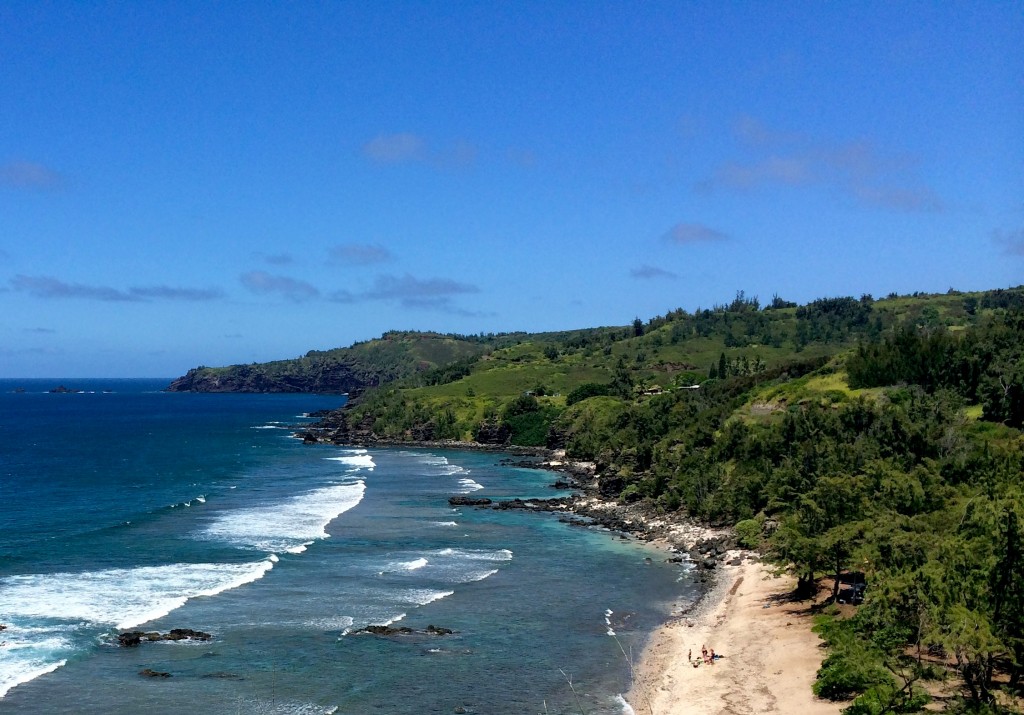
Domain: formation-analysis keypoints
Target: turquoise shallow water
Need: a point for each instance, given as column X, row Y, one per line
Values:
column 137, row 508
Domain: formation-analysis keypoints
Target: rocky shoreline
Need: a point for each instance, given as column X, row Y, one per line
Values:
column 591, row 505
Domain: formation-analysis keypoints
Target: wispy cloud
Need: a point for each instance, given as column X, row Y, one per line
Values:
column 264, row 283
column 360, row 254
column 413, row 293
column 646, row 272
column 1012, row 242
column 409, row 148
column 30, row 175
column 280, row 259
column 686, row 233
column 53, row 288
column 860, row 170
column 395, row 148
column 50, row 287
column 168, row 293
column 522, row 157
column 39, row 331
column 911, row 200
column 790, row 171
column 409, row 287
column 751, row 130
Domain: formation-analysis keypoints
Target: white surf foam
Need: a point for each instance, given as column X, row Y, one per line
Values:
column 445, row 523
column 468, row 485
column 124, row 598
column 13, row 673
column 400, row 566
column 50, row 617
column 481, row 575
column 283, row 707
column 338, row 623
column 358, row 461
column 627, row 709
column 478, row 555
column 289, row 526
column 423, row 596
column 457, row 566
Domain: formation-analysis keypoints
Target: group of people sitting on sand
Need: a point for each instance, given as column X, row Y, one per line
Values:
column 707, row 655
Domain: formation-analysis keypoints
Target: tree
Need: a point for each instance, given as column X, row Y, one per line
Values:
column 622, row 380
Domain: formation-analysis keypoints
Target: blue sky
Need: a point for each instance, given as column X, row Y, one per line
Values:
column 199, row 183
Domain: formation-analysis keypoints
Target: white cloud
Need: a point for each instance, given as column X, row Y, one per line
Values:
column 685, row 233
column 360, row 254
column 29, row 175
column 646, row 272
column 264, row 283
column 1012, row 242
column 395, row 148
column 53, row 288
column 857, row 169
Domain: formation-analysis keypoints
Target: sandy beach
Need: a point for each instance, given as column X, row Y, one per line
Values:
column 768, row 653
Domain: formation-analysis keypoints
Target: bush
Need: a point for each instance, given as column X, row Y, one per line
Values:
column 748, row 532
column 530, row 429
column 589, row 389
column 521, row 405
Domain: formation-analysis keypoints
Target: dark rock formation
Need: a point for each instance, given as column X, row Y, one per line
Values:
column 150, row 673
column 469, row 501
column 335, row 378
column 493, row 433
column 130, row 639
column 610, row 485
column 388, row 631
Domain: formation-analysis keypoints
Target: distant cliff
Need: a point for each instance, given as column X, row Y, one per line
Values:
column 352, row 370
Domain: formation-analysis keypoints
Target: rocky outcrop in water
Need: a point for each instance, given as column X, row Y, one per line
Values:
column 130, row 639
column 468, row 501
column 430, row 630
column 150, row 673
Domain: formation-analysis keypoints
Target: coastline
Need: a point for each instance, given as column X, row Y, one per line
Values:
column 768, row 654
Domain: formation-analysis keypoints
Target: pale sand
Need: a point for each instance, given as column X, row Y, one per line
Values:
column 769, row 655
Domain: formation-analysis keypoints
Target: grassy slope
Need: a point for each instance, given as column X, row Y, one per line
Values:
column 669, row 354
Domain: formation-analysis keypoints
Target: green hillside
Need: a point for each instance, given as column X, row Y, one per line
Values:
column 662, row 355
column 877, row 441
column 352, row 370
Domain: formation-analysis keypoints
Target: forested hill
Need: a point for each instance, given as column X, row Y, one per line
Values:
column 854, row 440
column 342, row 370
column 531, row 389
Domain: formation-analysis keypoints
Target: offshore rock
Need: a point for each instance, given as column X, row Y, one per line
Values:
column 430, row 630
column 131, row 639
column 150, row 673
column 469, row 501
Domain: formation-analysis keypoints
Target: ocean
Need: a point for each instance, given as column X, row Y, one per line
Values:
column 125, row 507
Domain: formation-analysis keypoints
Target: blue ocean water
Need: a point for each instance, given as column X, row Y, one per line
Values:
column 127, row 507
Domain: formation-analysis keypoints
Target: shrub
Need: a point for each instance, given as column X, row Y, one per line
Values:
column 748, row 532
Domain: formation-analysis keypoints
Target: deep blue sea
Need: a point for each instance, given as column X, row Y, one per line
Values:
column 125, row 507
